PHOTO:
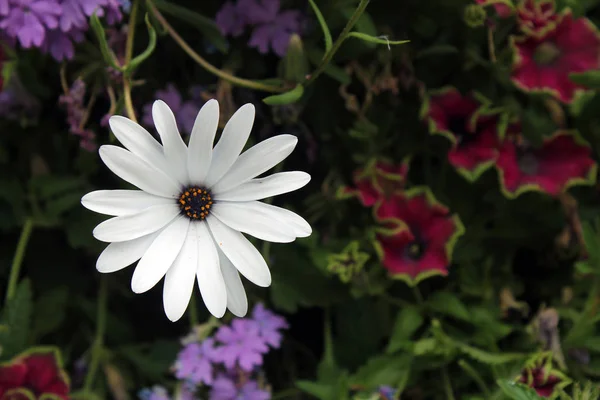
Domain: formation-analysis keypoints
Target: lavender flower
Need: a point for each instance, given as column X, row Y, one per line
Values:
column 269, row 325
column 16, row 103
column 185, row 111
column 195, row 362
column 73, row 102
column 155, row 393
column 230, row 20
column 258, row 11
column 226, row 389
column 242, row 344
column 276, row 34
column 387, row 392
column 28, row 20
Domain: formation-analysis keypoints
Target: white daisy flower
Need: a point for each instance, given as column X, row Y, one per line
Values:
column 195, row 201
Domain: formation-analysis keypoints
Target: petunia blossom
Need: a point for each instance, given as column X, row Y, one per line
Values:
column 536, row 16
column 543, row 63
column 503, row 10
column 419, row 237
column 562, row 161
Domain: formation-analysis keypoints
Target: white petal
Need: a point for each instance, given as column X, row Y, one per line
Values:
column 137, row 140
column 249, row 220
column 179, row 280
column 129, row 227
column 234, row 137
column 242, row 254
column 119, row 255
column 121, row 202
column 300, row 227
column 160, row 256
column 256, row 160
column 174, row 148
column 134, row 170
column 210, row 279
column 201, row 142
column 261, row 188
column 237, row 302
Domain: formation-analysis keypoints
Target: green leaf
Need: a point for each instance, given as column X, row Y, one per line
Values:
column 489, row 358
column 518, row 391
column 384, row 369
column 409, row 319
column 324, row 27
column 590, row 79
column 447, row 303
column 331, row 70
column 206, row 25
column 592, row 244
column 136, row 61
column 49, row 311
column 285, row 98
column 107, row 53
column 376, row 39
column 16, row 316
column 321, row 391
column 153, row 360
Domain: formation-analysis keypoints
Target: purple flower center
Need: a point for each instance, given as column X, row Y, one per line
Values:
column 458, row 126
column 528, row 162
column 546, row 54
column 415, row 249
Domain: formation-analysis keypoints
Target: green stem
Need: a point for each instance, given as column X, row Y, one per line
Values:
column 418, row 295
column 285, row 394
column 205, row 64
column 128, row 55
column 338, row 42
column 193, row 311
column 15, row 267
column 99, row 337
column 447, row 384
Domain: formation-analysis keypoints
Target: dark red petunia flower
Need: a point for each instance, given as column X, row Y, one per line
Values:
column 36, row 374
column 535, row 16
column 380, row 178
column 541, row 377
column 543, row 62
column 503, row 10
column 419, row 235
column 562, row 161
column 472, row 130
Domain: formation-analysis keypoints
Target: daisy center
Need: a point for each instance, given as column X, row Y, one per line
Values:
column 546, row 53
column 195, row 202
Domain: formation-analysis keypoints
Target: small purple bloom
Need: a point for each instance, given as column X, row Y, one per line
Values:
column 155, row 393
column 28, row 20
column 230, row 21
column 258, row 11
column 73, row 102
column 387, row 392
column 269, row 325
column 195, row 362
column 226, row 389
column 276, row 34
column 241, row 344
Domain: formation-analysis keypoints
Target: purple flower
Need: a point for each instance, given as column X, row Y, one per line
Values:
column 226, row 389
column 276, row 33
column 230, row 20
column 258, row 11
column 16, row 103
column 387, row 392
column 241, row 344
column 155, row 393
column 60, row 44
column 73, row 102
column 195, row 362
column 269, row 325
column 28, row 20
column 185, row 111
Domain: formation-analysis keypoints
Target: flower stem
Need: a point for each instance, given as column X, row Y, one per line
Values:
column 99, row 338
column 128, row 54
column 447, row 384
column 15, row 267
column 205, row 64
column 338, row 42
column 193, row 311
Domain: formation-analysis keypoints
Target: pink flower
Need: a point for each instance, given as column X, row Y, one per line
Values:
column 503, row 10
column 534, row 16
column 543, row 62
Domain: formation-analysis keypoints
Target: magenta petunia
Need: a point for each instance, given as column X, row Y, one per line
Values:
column 544, row 62
column 535, row 16
column 420, row 235
column 563, row 160
column 503, row 10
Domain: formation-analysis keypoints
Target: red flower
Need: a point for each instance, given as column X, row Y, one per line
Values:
column 542, row 377
column 534, row 16
column 543, row 62
column 562, row 161
column 471, row 130
column 36, row 374
column 377, row 180
column 423, row 239
column 503, row 10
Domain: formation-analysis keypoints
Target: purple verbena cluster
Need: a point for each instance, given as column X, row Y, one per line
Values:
column 271, row 27
column 228, row 361
column 73, row 102
column 53, row 25
column 185, row 111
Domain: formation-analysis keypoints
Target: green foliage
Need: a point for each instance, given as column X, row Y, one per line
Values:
column 16, row 321
column 517, row 391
